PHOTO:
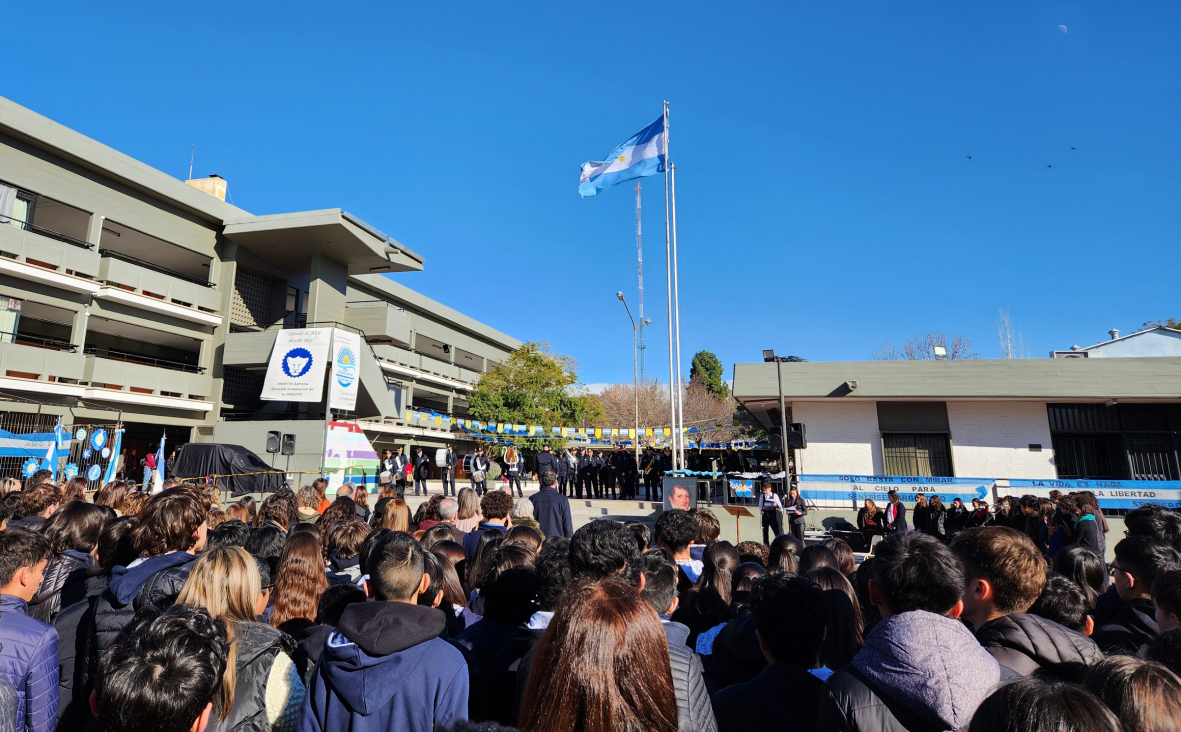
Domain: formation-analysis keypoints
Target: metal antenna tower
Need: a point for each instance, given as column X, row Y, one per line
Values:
column 640, row 268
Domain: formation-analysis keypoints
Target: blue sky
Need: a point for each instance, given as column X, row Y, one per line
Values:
column 825, row 203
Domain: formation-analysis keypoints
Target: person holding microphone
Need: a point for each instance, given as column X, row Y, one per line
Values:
column 769, row 507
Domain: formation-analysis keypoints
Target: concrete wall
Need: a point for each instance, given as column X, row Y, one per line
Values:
column 992, row 439
column 1154, row 343
column 843, row 438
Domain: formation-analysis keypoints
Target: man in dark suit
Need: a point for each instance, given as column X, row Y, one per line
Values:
column 585, row 467
column 422, row 469
column 551, row 509
column 546, row 462
column 449, row 472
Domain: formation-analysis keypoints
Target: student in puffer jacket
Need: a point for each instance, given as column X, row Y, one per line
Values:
column 28, row 647
column 900, row 680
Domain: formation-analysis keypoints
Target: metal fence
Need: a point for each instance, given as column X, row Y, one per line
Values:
column 22, row 423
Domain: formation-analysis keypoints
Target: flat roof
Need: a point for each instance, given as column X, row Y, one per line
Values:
column 1036, row 379
column 398, row 292
column 39, row 131
column 289, row 240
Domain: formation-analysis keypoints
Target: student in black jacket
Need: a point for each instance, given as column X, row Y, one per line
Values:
column 789, row 614
column 1139, row 560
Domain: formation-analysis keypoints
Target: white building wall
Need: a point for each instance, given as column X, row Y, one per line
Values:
column 843, row 438
column 992, row 439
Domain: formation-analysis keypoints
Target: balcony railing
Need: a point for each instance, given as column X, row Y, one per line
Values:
column 52, row 344
column 154, row 267
column 160, row 363
column 50, row 233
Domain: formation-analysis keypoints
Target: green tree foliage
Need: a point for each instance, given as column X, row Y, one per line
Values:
column 533, row 387
column 707, row 368
column 1168, row 323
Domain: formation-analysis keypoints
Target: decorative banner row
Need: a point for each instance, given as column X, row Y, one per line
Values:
column 659, row 441
column 501, row 428
column 850, row 491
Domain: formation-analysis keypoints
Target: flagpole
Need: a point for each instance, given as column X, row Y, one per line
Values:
column 668, row 291
column 677, row 312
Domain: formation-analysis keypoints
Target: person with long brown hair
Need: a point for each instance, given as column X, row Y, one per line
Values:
column 871, row 522
column 601, row 665
column 114, row 495
column 321, row 487
column 279, row 508
column 260, row 684
column 299, row 581
column 396, row 516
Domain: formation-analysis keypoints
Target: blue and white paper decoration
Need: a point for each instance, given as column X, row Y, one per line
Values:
column 94, row 472
column 98, row 439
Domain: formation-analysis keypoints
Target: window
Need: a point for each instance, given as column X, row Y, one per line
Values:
column 10, row 313
column 917, row 454
column 293, row 300
column 1119, row 441
column 16, row 206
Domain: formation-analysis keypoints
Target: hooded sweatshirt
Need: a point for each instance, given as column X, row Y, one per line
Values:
column 386, row 669
column 916, row 670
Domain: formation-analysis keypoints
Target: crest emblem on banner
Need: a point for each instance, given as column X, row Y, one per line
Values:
column 296, row 362
column 346, row 367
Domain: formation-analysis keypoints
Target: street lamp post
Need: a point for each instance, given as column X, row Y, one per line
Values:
column 635, row 369
column 769, row 355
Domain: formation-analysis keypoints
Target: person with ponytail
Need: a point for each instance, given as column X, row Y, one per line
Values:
column 707, row 603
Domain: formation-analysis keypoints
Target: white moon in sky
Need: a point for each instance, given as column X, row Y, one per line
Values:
column 1062, row 28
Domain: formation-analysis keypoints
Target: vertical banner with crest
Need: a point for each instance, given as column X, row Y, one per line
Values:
column 346, row 370
column 295, row 372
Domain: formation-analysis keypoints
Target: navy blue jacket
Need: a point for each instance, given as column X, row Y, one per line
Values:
column 471, row 540
column 546, row 461
column 782, row 697
column 386, row 670
column 552, row 511
column 28, row 659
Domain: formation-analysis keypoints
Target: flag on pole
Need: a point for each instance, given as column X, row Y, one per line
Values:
column 116, row 452
column 158, row 473
column 642, row 155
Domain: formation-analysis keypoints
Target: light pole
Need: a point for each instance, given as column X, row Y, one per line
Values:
column 635, row 368
column 768, row 356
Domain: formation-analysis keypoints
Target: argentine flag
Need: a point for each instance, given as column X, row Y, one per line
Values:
column 640, row 156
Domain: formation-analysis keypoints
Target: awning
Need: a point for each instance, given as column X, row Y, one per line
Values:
column 288, row 241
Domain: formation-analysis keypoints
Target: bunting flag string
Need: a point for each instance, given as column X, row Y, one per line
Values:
column 430, row 418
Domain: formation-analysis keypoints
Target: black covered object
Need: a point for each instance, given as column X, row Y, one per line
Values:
column 197, row 460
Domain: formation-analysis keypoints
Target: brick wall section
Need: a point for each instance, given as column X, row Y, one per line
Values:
column 991, row 439
column 843, row 438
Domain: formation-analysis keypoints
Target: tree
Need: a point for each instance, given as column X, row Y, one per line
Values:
column 702, row 409
column 708, row 369
column 922, row 348
column 534, row 387
column 1167, row 323
column 1012, row 344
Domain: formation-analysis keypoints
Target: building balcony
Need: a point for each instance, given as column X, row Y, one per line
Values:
column 33, row 357
column 54, row 241
column 138, row 376
column 380, row 321
column 196, row 299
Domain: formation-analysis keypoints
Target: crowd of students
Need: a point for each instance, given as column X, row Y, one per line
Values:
column 1053, row 523
column 173, row 612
